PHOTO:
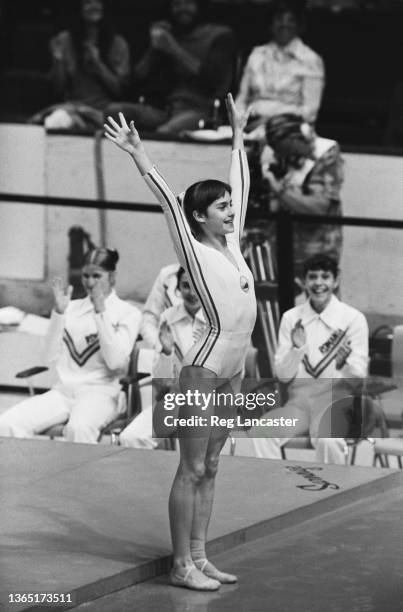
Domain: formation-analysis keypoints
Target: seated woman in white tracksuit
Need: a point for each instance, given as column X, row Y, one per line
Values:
column 89, row 342
column 164, row 294
column 322, row 354
column 180, row 327
column 206, row 235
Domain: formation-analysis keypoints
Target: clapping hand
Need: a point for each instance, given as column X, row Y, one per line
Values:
column 124, row 136
column 162, row 39
column 62, row 295
column 97, row 297
column 276, row 185
column 166, row 338
column 56, row 49
column 343, row 353
column 237, row 119
column 298, row 335
column 92, row 56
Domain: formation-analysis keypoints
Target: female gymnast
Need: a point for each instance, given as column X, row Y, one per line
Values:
column 206, row 234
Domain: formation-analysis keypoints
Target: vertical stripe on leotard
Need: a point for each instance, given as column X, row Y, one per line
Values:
column 239, row 181
column 184, row 246
column 242, row 196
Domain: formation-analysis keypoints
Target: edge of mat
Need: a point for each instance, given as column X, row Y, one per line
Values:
column 162, row 565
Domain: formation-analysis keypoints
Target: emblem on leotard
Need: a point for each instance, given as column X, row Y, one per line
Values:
column 244, row 283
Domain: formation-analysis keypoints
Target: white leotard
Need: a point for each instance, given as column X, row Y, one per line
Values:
column 226, row 292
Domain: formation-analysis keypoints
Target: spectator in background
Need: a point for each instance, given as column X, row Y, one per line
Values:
column 305, row 175
column 283, row 76
column 322, row 354
column 200, row 63
column 90, row 67
column 164, row 294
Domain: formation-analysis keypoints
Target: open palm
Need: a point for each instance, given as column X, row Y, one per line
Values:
column 124, row 136
column 237, row 119
column 62, row 295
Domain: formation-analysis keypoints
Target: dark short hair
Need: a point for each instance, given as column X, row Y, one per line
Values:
column 282, row 126
column 102, row 257
column 199, row 196
column 279, row 7
column 320, row 262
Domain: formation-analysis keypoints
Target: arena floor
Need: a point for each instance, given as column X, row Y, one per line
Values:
column 346, row 561
column 91, row 520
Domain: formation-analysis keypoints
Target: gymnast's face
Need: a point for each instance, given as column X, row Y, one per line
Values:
column 320, row 286
column 190, row 299
column 219, row 217
column 94, row 277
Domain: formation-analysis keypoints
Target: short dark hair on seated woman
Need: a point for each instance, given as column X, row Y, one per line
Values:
column 199, row 196
column 102, row 257
column 321, row 262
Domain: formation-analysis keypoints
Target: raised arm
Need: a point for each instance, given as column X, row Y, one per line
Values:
column 128, row 139
column 239, row 171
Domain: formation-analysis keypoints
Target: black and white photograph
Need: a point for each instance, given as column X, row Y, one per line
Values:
column 201, row 305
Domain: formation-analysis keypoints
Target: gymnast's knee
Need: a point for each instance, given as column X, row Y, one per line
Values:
column 195, row 471
column 211, row 465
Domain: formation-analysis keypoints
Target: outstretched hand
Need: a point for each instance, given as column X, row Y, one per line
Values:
column 237, row 119
column 124, row 136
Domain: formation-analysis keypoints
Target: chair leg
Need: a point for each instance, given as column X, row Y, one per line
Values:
column 399, row 461
column 232, row 445
column 377, row 458
column 282, row 451
column 114, row 438
column 353, row 454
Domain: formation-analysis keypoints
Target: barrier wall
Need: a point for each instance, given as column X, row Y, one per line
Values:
column 58, row 165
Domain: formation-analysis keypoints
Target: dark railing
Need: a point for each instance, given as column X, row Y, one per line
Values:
column 285, row 229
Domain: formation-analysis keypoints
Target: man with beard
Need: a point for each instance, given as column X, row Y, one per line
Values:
column 197, row 56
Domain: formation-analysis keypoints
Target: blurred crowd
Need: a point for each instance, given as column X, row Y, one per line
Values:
column 186, row 70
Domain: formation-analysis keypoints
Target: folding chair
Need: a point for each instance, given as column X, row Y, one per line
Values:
column 131, row 384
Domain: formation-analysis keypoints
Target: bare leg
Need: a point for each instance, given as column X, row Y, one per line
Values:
column 202, row 514
column 205, row 496
column 182, row 499
column 189, row 477
column 205, row 491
